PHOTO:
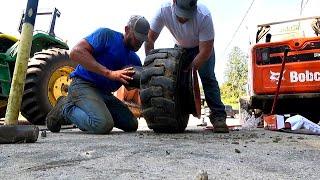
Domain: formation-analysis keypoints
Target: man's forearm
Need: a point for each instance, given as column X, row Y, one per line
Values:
column 199, row 60
column 205, row 51
column 148, row 46
column 83, row 57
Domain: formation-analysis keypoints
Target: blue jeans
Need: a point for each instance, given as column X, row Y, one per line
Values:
column 209, row 83
column 95, row 111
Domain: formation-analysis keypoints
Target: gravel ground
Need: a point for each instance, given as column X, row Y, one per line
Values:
column 242, row 154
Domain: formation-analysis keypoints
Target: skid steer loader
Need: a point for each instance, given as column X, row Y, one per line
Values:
column 300, row 84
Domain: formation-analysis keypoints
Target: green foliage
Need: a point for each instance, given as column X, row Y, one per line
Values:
column 236, row 78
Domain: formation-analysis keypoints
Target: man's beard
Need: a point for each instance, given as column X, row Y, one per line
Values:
column 132, row 48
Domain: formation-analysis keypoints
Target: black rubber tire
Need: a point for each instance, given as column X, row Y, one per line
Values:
column 160, row 102
column 35, row 102
column 3, row 111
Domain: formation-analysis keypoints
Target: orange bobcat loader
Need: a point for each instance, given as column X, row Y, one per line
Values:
column 300, row 84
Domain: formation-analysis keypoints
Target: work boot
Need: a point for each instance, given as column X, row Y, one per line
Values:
column 219, row 124
column 55, row 118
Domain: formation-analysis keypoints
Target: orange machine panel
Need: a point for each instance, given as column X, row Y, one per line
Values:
column 297, row 78
column 302, row 69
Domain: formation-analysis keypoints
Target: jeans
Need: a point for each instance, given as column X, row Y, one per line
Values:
column 95, row 111
column 209, row 83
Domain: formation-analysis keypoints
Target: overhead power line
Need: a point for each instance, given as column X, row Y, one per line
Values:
column 303, row 5
column 236, row 31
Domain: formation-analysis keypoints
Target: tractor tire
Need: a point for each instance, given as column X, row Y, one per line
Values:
column 47, row 79
column 3, row 111
column 161, row 106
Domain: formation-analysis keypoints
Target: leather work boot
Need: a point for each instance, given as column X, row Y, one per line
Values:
column 54, row 118
column 219, row 124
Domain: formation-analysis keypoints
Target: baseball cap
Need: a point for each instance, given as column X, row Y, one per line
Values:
column 140, row 27
column 185, row 8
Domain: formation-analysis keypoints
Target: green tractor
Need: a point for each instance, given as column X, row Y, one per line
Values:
column 47, row 75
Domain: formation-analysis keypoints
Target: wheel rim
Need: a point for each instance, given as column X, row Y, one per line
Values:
column 195, row 93
column 59, row 83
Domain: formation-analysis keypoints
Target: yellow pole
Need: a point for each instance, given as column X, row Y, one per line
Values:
column 19, row 75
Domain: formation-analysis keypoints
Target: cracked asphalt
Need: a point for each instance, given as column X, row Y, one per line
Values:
column 241, row 154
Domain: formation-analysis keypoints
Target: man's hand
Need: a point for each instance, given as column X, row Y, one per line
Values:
column 193, row 65
column 205, row 51
column 123, row 75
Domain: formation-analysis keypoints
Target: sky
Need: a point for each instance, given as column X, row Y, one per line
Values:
column 80, row 18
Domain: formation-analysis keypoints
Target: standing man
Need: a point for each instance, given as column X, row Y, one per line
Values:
column 102, row 57
column 192, row 27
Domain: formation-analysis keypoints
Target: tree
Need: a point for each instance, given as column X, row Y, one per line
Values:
column 236, row 77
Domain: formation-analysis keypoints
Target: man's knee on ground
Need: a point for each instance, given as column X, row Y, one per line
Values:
column 102, row 127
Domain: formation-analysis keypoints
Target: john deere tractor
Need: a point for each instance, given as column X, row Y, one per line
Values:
column 47, row 74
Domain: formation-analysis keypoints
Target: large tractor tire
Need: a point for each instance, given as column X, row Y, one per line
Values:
column 3, row 108
column 47, row 79
column 162, row 105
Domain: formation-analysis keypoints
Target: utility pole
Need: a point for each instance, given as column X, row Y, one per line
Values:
column 11, row 132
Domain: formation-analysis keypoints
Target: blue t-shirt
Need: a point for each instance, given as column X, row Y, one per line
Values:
column 110, row 51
